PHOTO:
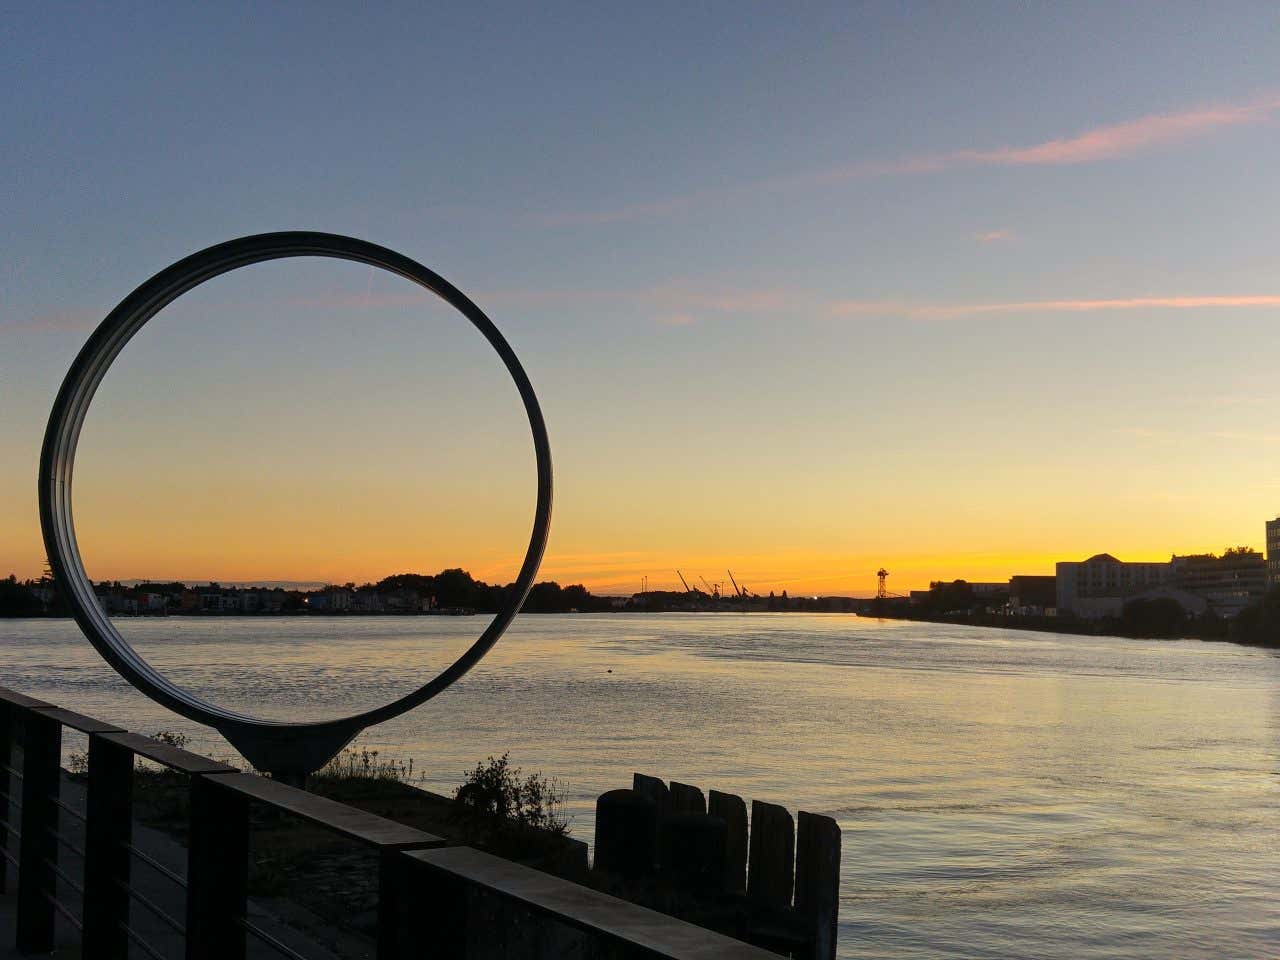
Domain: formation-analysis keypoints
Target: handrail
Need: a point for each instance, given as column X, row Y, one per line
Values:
column 349, row 822
column 172, row 757
column 420, row 877
column 644, row 931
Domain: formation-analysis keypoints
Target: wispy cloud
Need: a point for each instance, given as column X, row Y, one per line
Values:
column 1107, row 142
column 994, row 236
column 60, row 321
column 685, row 303
column 952, row 311
column 1124, row 139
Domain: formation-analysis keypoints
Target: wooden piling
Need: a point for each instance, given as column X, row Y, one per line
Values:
column 771, row 855
column 733, row 811
column 818, row 881
column 693, row 852
column 655, row 789
column 626, row 833
column 687, row 799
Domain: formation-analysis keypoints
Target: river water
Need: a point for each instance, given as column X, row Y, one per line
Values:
column 1001, row 794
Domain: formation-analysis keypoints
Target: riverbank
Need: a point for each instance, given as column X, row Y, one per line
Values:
column 1209, row 630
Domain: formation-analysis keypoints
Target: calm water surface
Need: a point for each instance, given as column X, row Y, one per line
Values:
column 1001, row 794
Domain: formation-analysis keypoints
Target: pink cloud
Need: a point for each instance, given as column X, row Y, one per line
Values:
column 1106, row 142
column 992, row 236
column 944, row 311
column 1123, row 139
column 55, row 322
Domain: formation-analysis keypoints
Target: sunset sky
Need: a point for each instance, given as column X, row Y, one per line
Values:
column 957, row 290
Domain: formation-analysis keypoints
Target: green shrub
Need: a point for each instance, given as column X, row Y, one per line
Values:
column 497, row 798
column 366, row 764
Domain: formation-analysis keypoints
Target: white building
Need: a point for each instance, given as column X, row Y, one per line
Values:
column 1097, row 587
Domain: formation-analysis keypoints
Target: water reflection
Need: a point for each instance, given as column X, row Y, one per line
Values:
column 1000, row 794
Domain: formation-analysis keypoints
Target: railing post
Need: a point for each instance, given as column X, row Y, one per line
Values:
column 41, row 754
column 217, row 872
column 398, row 925
column 6, row 820
column 108, row 831
column 442, row 912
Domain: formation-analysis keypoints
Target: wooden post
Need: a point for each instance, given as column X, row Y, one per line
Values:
column 733, row 812
column 772, row 855
column 41, row 778
column 693, row 852
column 108, row 830
column 687, row 799
column 655, row 789
column 626, row 833
column 217, row 871
column 818, row 881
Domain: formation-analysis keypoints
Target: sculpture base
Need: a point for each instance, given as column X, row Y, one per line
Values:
column 289, row 754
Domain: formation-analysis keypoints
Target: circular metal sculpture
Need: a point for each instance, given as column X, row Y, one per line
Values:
column 289, row 749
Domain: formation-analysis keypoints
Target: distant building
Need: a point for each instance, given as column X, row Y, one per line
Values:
column 214, row 600
column 1033, row 596
column 116, row 600
column 44, row 591
column 1228, row 583
column 261, row 601
column 332, row 600
column 1273, row 551
column 987, row 591
column 1090, row 588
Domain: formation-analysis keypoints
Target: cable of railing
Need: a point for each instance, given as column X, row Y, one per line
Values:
column 10, row 829
column 61, row 874
column 142, row 944
column 5, row 798
column 9, row 856
column 280, row 947
column 154, row 908
column 65, row 842
column 68, row 809
column 65, row 911
column 155, row 865
column 12, row 771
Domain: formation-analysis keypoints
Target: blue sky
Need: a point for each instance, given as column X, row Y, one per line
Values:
column 801, row 291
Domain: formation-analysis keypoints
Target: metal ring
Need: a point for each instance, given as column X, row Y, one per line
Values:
column 267, row 738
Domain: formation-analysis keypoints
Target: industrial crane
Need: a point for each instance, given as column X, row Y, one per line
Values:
column 737, row 590
column 687, row 588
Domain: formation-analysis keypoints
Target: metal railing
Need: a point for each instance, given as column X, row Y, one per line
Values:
column 434, row 900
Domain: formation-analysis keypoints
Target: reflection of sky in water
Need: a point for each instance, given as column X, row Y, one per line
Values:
column 1001, row 794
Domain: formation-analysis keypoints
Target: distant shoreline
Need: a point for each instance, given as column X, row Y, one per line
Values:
column 1082, row 628
column 342, row 615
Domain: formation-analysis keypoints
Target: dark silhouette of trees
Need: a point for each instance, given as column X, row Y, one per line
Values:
column 1158, row 618
column 17, row 600
column 954, row 597
column 1259, row 623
